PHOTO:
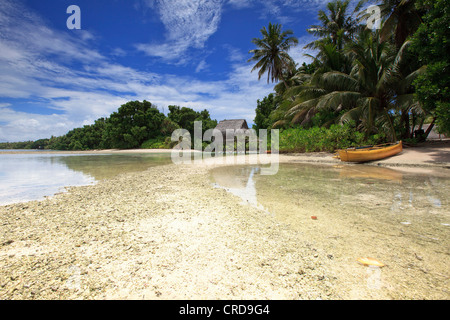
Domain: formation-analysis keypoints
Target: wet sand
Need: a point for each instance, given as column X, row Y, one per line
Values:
column 166, row 233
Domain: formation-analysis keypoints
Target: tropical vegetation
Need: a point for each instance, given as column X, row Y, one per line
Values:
column 374, row 84
column 135, row 124
column 272, row 53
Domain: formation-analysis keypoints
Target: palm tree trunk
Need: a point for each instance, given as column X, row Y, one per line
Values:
column 388, row 117
column 404, row 124
column 284, row 81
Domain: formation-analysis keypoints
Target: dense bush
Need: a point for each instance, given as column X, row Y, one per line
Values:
column 156, row 143
column 317, row 139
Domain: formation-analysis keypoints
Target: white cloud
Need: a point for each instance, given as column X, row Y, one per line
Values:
column 235, row 54
column 118, row 52
column 195, row 20
column 298, row 53
column 21, row 126
column 273, row 8
column 240, row 4
column 188, row 23
column 168, row 52
column 202, row 66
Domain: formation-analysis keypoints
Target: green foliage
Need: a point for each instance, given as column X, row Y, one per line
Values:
column 431, row 43
column 135, row 125
column 207, row 122
column 381, row 80
column 38, row 144
column 271, row 55
column 161, row 142
column 155, row 143
column 337, row 25
column 168, row 126
column 443, row 117
column 318, row 139
column 263, row 110
column 185, row 118
column 277, row 116
column 324, row 118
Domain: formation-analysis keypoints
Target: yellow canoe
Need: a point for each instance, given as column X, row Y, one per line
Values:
column 371, row 153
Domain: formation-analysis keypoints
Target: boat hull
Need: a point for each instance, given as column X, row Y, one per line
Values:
column 369, row 154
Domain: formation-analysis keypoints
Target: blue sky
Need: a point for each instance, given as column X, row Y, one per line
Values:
column 190, row 53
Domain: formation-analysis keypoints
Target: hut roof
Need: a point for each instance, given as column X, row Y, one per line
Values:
column 232, row 124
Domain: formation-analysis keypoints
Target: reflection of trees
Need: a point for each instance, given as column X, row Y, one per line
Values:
column 296, row 185
column 240, row 182
column 232, row 177
column 107, row 166
column 343, row 188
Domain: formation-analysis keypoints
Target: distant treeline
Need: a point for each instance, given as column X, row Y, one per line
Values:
column 135, row 125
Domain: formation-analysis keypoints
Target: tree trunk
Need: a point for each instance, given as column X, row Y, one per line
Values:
column 285, row 83
column 394, row 136
column 404, row 124
column 411, row 132
column 407, row 124
column 430, row 128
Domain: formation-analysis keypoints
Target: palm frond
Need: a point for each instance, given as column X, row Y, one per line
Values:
column 333, row 100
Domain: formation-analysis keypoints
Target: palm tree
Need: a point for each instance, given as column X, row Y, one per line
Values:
column 405, row 69
column 401, row 18
column 289, row 79
column 307, row 85
column 272, row 53
column 337, row 25
column 378, row 83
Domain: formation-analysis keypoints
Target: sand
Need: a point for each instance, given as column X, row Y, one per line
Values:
column 166, row 233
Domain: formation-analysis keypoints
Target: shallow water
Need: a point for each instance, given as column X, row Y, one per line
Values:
column 400, row 218
column 25, row 177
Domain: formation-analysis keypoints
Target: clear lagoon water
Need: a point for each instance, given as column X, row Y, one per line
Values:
column 33, row 176
column 398, row 217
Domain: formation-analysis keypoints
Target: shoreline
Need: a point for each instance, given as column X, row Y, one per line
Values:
column 166, row 233
column 428, row 154
column 102, row 151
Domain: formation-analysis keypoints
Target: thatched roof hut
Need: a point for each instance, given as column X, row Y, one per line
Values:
column 237, row 124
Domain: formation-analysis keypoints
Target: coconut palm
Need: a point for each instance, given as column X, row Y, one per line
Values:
column 401, row 18
column 337, row 25
column 404, row 70
column 307, row 86
column 378, row 83
column 272, row 54
column 289, row 79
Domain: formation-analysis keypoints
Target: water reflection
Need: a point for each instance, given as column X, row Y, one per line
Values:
column 359, row 171
column 107, row 166
column 26, row 177
column 358, row 184
column 397, row 217
column 239, row 185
